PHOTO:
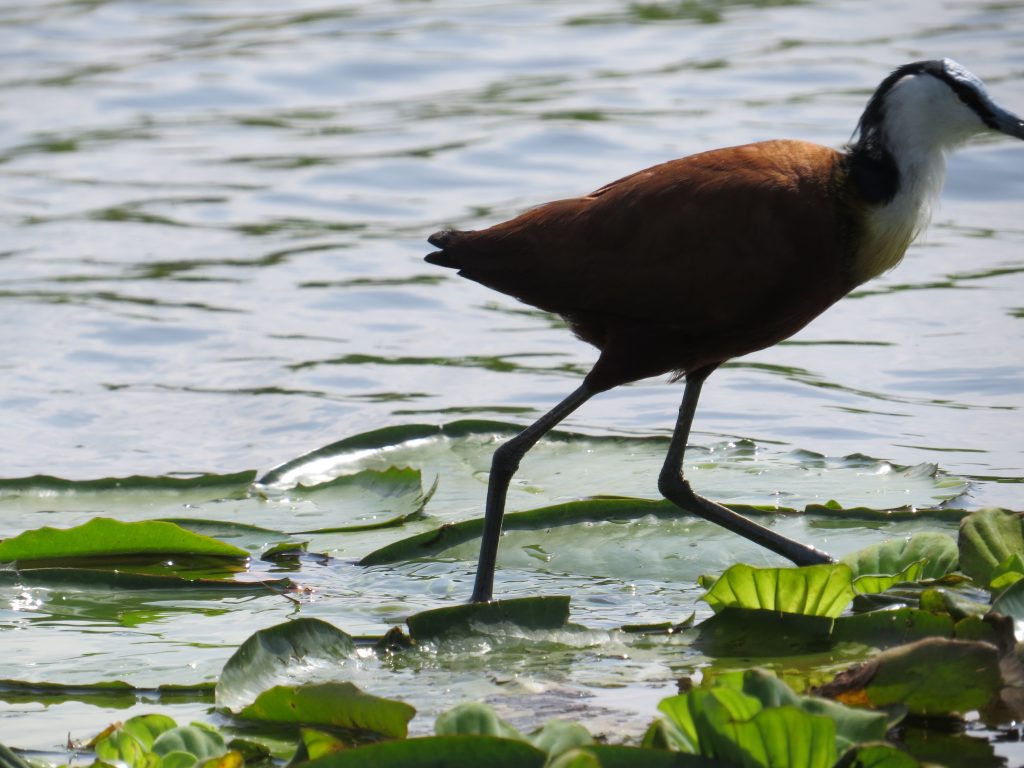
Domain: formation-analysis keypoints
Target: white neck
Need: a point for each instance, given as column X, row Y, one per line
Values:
column 922, row 120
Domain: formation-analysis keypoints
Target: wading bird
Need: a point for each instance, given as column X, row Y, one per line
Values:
column 682, row 266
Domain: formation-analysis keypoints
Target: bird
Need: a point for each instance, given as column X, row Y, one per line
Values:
column 680, row 267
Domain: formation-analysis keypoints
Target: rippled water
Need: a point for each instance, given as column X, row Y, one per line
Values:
column 214, row 214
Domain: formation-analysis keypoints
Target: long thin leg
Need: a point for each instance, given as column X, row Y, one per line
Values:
column 674, row 487
column 503, row 466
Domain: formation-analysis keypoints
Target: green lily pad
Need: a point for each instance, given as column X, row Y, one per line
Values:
column 532, row 613
column 931, row 677
column 817, row 590
column 853, row 726
column 937, row 550
column 474, row 719
column 727, row 724
column 270, row 655
column 337, row 705
column 987, row 539
column 869, row 584
column 105, row 538
column 438, row 752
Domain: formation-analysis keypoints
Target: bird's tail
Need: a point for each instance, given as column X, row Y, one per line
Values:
column 446, row 240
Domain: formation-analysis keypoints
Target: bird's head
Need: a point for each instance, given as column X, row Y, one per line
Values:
column 931, row 105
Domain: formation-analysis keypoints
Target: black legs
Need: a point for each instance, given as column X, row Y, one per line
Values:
column 671, row 483
column 503, row 466
column 675, row 488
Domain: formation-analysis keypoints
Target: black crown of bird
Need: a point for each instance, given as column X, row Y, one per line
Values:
column 679, row 267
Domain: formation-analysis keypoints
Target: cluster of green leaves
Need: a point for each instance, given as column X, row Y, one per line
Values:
column 941, row 609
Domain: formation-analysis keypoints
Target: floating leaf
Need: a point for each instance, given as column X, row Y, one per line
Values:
column 533, row 613
column 459, row 450
column 116, row 580
column 438, row 752
column 937, row 550
column 882, row 629
column 454, row 534
column 930, row 677
column 369, row 500
column 266, row 657
column 338, row 705
column 987, row 539
column 817, row 590
column 106, row 538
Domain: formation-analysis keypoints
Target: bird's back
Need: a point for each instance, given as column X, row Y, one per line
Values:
column 726, row 251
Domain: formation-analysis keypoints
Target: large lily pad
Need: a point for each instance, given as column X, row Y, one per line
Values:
column 460, row 453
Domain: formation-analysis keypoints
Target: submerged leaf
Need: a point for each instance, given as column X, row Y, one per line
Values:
column 817, row 590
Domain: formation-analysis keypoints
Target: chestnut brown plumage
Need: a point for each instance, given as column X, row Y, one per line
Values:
column 682, row 266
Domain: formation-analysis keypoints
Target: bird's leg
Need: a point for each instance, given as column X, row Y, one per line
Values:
column 503, row 466
column 674, row 487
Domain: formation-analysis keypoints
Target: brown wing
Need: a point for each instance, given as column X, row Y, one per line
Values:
column 712, row 244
